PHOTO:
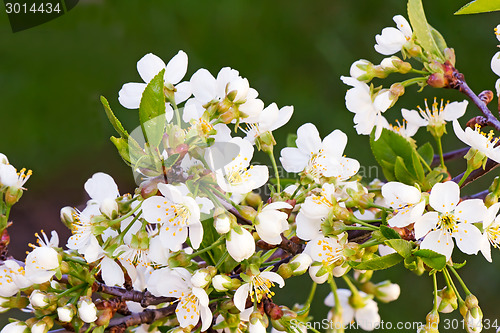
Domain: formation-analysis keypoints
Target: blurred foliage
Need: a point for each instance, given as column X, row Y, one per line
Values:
column 292, row 52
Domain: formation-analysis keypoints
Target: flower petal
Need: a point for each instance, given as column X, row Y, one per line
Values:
column 444, row 197
column 468, row 238
column 176, row 68
column 470, row 211
column 454, row 110
column 308, row 139
column 130, row 95
column 438, row 241
column 425, row 224
column 149, row 66
column 241, row 295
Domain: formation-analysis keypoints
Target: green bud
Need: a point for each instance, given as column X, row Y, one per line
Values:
column 285, row 271
column 12, row 195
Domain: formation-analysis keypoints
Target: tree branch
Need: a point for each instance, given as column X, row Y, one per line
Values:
column 452, row 155
column 148, row 316
column 144, row 298
column 490, row 165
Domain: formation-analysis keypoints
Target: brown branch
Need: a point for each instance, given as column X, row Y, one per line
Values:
column 144, row 298
column 230, row 208
column 490, row 165
column 148, row 316
column 480, row 195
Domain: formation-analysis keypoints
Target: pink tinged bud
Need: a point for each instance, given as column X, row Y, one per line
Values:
column 39, row 299
column 87, row 310
column 109, row 208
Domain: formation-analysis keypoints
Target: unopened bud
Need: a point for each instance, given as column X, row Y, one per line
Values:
column 222, row 223
column 67, row 215
column 437, row 80
column 387, row 291
column 221, row 283
column 397, row 89
column 87, row 310
column 66, row 313
column 248, row 213
column 363, row 277
column 300, row 263
column 12, row 195
column 39, row 299
column 285, row 271
column 449, row 55
column 201, row 278
column 447, row 300
column 15, row 327
column 318, row 273
column 109, row 208
column 3, row 159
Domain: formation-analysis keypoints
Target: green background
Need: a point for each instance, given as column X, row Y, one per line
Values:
column 292, row 52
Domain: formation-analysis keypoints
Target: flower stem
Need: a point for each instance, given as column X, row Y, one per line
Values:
column 451, row 285
column 270, row 153
column 372, row 227
column 351, row 286
column 466, row 174
column 425, row 163
column 464, row 287
column 208, row 248
column 434, row 280
column 177, row 114
column 222, row 260
column 296, row 191
column 333, row 286
column 116, row 221
column 440, row 151
column 414, row 80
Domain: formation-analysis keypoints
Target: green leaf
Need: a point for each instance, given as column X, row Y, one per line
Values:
column 432, row 259
column 290, row 140
column 113, row 120
column 152, row 111
column 417, row 166
column 171, row 160
column 479, row 6
column 401, row 246
column 421, row 28
column 402, row 173
column 378, row 263
column 387, row 148
column 427, row 153
column 440, row 41
column 389, row 233
column 459, row 265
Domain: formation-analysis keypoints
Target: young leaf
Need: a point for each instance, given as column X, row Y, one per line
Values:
column 479, row 6
column 402, row 173
column 417, row 166
column 401, row 246
column 389, row 233
column 152, row 111
column 432, row 259
column 378, row 263
column 421, row 28
column 427, row 153
column 113, row 120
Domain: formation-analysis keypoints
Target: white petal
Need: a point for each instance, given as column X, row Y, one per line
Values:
column 293, row 160
column 203, row 85
column 202, row 296
column 459, row 132
column 438, row 241
column 184, row 91
column 491, row 214
column 403, row 25
column 149, row 66
column 308, row 139
column 486, row 247
column 444, row 197
column 273, row 277
column 195, row 234
column 335, row 143
column 206, row 318
column 468, row 238
column 130, row 95
column 241, row 295
column 173, row 237
column 495, row 63
column 454, row 110
column 425, row 224
column 308, row 228
column 413, row 118
column 471, row 211
column 176, row 68
column 399, row 194
column 367, row 317
column 111, row 272
column 101, row 186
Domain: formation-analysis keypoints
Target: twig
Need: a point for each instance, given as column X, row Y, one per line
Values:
column 490, row 165
column 144, row 298
column 148, row 316
column 230, row 208
column 480, row 195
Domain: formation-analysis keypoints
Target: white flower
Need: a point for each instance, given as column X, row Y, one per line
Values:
column 451, row 219
column 43, row 261
column 240, row 244
column 256, row 326
column 83, row 239
column 392, row 40
column 435, row 116
column 87, row 310
column 175, row 214
column 485, row 143
column 270, row 222
column 65, row 313
column 238, row 176
column 12, row 278
column 319, row 158
column 3, row 159
column 367, row 316
column 358, row 68
column 327, row 250
column 244, row 99
column 406, row 201
column 15, row 327
column 193, row 301
column 495, row 63
column 313, row 212
column 11, row 178
column 258, row 287
column 148, row 67
column 270, row 119
column 103, row 191
column 360, row 101
column 491, row 228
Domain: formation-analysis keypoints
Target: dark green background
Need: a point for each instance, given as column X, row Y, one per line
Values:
column 292, row 52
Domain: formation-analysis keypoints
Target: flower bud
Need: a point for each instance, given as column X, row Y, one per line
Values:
column 437, row 80
column 387, row 292
column 449, row 55
column 221, row 283
column 360, row 69
column 447, row 300
column 12, row 195
column 222, row 224
column 67, row 215
column 363, row 277
column 3, row 159
column 87, row 310
column 474, row 320
column 39, row 299
column 253, row 199
column 65, row 313
column 109, row 208
column 285, row 271
column 318, row 273
column 40, row 327
column 300, row 263
column 240, row 244
column 201, row 278
column 15, row 327
column 248, row 212
column 256, row 323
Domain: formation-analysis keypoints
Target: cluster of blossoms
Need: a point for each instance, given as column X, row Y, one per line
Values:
column 197, row 247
